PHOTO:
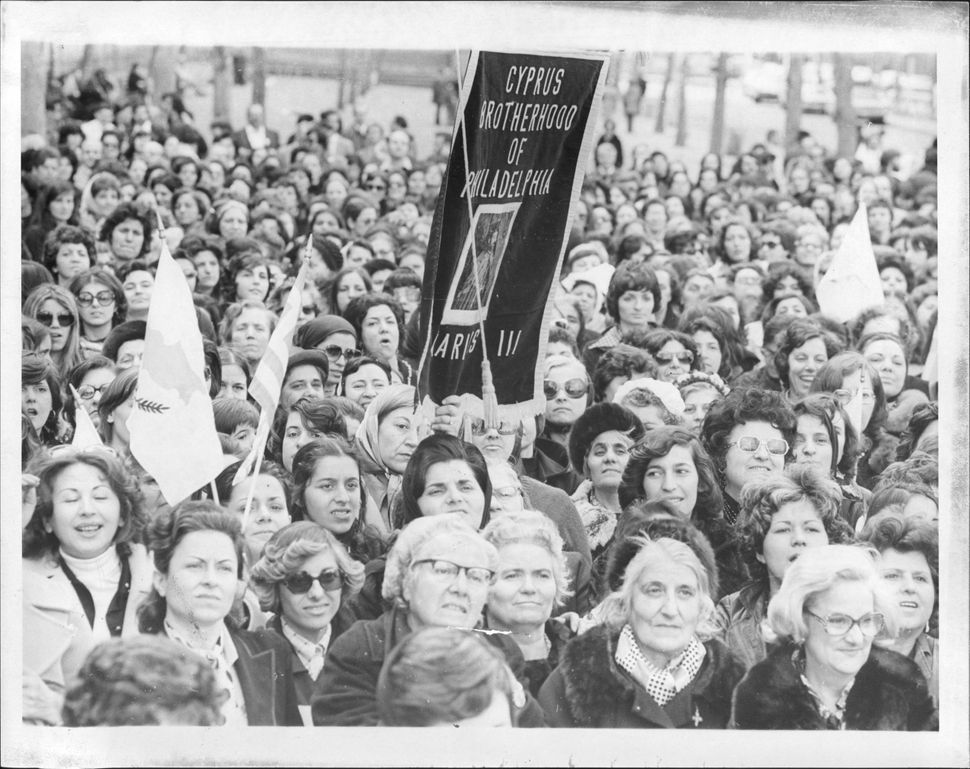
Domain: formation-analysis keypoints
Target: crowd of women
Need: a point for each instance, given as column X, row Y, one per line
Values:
column 726, row 516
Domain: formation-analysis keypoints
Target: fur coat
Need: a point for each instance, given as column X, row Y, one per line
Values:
column 889, row 694
column 589, row 689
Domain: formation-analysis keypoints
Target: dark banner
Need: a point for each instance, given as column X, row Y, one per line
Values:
column 517, row 163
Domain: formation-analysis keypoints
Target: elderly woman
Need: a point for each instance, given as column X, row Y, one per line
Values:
column 781, row 518
column 531, row 581
column 828, row 674
column 304, row 579
column 909, row 564
column 56, row 308
column 805, row 347
column 599, row 449
column 84, row 576
column 748, row 435
column 336, row 338
column 229, row 219
column 648, row 665
column 198, row 552
column 385, row 441
column 378, row 321
column 127, row 231
column 247, row 326
column 438, row 574
column 653, row 402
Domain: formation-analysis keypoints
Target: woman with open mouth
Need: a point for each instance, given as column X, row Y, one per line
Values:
column 55, row 307
column 40, row 396
column 378, row 321
column 780, row 519
column 805, row 347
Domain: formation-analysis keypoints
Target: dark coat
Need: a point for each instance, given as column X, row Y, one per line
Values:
column 889, row 694
column 354, row 661
column 588, row 689
column 265, row 675
column 550, row 465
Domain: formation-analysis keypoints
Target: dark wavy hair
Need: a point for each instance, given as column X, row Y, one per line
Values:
column 802, row 331
column 830, row 377
column 74, row 378
column 716, row 322
column 778, row 271
column 621, row 360
column 600, row 418
column 123, row 213
column 761, row 500
column 107, row 279
column 824, row 406
column 169, row 527
column 38, row 542
column 318, row 414
column 359, row 306
column 436, row 448
column 631, row 277
column 891, row 531
column 34, row 369
column 738, row 407
column 655, row 339
column 242, row 254
column 224, row 484
column 66, row 234
column 922, row 417
column 657, row 443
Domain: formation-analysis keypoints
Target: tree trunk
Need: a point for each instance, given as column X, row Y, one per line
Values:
column 221, row 84
column 342, row 80
column 681, row 139
column 33, row 110
column 661, row 107
column 793, row 102
column 720, row 85
column 259, row 76
column 845, row 119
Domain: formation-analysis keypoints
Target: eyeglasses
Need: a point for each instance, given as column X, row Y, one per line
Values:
column 840, row 624
column 506, row 492
column 446, row 571
column 844, row 396
column 751, row 444
column 575, row 388
column 334, row 352
column 301, row 582
column 666, row 358
column 504, row 428
column 64, row 319
column 87, row 392
column 103, row 298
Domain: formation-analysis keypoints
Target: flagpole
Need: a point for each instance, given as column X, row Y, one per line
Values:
column 215, row 492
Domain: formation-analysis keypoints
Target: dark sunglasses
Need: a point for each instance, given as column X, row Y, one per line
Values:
column 504, row 428
column 103, row 298
column 64, row 319
column 575, row 388
column 686, row 357
column 301, row 582
column 334, row 352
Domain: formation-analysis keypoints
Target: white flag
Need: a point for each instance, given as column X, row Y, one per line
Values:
column 85, row 433
column 851, row 284
column 173, row 431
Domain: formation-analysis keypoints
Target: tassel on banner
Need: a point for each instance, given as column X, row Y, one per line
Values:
column 489, row 397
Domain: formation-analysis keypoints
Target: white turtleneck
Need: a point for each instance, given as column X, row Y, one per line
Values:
column 100, row 575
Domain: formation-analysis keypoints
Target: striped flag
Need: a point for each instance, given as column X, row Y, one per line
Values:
column 173, row 431
column 85, row 433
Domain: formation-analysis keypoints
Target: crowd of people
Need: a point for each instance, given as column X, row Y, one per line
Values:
column 726, row 516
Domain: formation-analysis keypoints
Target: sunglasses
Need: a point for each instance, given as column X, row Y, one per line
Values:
column 666, row 358
column 575, row 388
column 64, row 319
column 103, row 298
column 751, row 444
column 504, row 428
column 301, row 582
column 334, row 352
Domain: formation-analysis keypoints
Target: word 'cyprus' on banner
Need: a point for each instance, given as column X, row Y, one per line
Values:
column 520, row 149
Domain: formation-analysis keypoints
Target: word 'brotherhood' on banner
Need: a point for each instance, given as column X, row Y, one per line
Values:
column 521, row 145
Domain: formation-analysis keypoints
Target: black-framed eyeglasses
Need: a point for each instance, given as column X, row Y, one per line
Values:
column 751, row 444
column 504, row 428
column 87, row 392
column 103, row 298
column 839, row 624
column 575, row 388
column 447, row 571
column 666, row 358
column 64, row 319
column 335, row 351
column 301, row 582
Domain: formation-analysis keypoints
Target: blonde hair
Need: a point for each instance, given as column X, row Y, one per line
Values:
column 531, row 528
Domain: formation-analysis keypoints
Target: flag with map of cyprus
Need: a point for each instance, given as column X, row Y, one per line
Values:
column 173, row 431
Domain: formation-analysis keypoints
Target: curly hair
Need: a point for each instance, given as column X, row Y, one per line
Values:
column 778, row 271
column 655, row 339
column 356, row 311
column 657, row 443
column 233, row 311
column 740, row 406
column 622, row 360
column 286, row 552
column 715, row 321
column 532, row 528
column 922, row 417
column 800, row 332
column 35, row 369
column 761, row 500
column 318, row 414
column 144, row 680
column 242, row 254
column 123, row 213
column 37, row 541
column 597, row 419
column 66, row 234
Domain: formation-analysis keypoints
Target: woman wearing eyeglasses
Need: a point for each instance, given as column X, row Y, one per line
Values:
column 438, row 574
column 101, row 306
column 674, row 353
column 335, row 337
column 89, row 379
column 827, row 674
column 55, row 307
column 304, row 579
column 198, row 552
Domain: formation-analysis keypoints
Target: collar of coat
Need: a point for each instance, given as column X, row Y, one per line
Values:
column 595, row 685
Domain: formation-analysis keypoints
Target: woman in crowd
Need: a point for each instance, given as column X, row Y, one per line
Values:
column 198, row 551
column 138, row 282
column 717, row 342
column 236, row 374
column 531, row 581
column 117, row 401
column 804, row 349
column 669, row 464
column 748, row 436
column 128, row 233
column 189, row 207
column 909, row 564
column 246, row 277
column 271, row 504
column 304, row 579
column 56, row 206
column 674, row 353
column 631, row 298
column 649, row 665
column 101, row 306
column 364, row 378
column 55, row 307
column 207, row 256
column 306, row 375
column 385, row 441
column 67, row 252
column 84, row 576
column 828, row 674
column 229, row 220
column 349, row 283
column 699, row 391
column 438, row 574
column 303, row 421
column 378, row 321
column 335, row 337
column 88, row 380
column 40, row 396
column 887, row 355
column 781, row 517
column 247, row 326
